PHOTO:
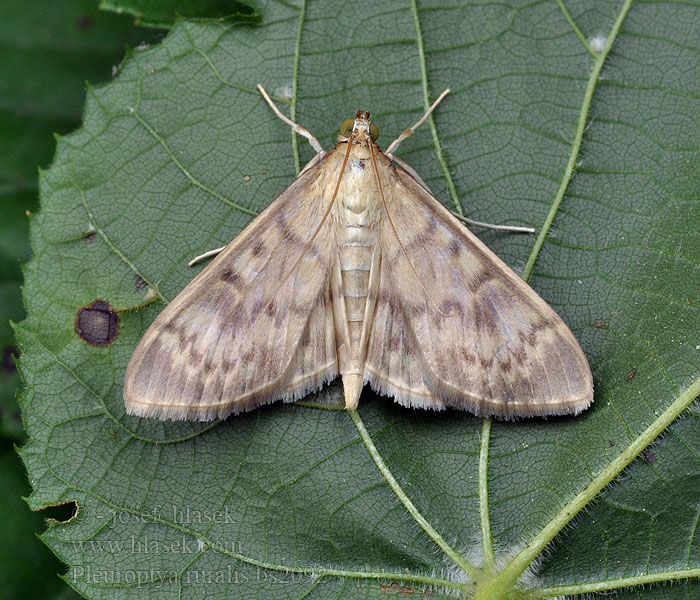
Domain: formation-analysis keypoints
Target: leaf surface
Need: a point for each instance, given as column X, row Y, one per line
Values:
column 162, row 13
column 583, row 124
column 48, row 51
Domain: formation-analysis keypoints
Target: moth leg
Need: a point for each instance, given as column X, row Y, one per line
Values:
column 513, row 228
column 296, row 128
column 411, row 130
column 412, row 172
column 201, row 257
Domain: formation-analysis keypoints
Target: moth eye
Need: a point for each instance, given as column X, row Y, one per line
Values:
column 373, row 132
column 346, row 127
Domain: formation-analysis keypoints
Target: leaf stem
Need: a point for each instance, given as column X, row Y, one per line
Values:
column 576, row 29
column 615, row 584
column 458, row 559
column 486, row 541
column 185, row 171
column 576, row 145
column 431, row 122
column 295, row 85
column 507, row 578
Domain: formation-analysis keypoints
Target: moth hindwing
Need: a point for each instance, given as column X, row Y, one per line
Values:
column 357, row 270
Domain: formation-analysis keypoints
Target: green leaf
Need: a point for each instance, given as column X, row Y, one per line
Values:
column 162, row 13
column 48, row 51
column 583, row 124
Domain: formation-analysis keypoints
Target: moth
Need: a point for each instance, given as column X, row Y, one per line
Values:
column 357, row 270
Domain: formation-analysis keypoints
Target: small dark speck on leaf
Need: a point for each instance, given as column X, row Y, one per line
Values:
column 631, row 374
column 8, row 365
column 85, row 22
column 140, row 283
column 97, row 323
column 89, row 238
column 611, row 444
column 648, row 457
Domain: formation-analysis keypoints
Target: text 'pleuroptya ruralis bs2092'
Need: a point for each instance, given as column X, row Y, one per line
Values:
column 357, row 270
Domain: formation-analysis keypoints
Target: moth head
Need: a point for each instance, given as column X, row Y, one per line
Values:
column 361, row 128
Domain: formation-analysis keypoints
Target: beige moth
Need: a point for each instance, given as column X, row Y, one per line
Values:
column 357, row 270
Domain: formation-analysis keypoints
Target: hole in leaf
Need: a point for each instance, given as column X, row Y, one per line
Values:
column 97, row 323
column 63, row 513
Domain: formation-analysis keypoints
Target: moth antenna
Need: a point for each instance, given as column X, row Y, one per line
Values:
column 411, row 130
column 323, row 220
column 398, row 238
column 296, row 128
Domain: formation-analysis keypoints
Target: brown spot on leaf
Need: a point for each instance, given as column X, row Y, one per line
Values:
column 97, row 323
column 140, row 283
column 631, row 374
column 600, row 324
column 89, row 238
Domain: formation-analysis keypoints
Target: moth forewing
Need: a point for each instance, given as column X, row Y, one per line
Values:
column 254, row 326
column 486, row 341
column 356, row 269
